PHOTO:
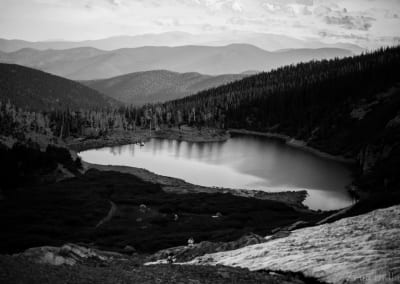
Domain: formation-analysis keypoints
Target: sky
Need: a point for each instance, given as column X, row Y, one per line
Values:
column 369, row 23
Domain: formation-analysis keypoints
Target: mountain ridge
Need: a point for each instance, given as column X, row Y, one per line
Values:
column 87, row 63
column 265, row 41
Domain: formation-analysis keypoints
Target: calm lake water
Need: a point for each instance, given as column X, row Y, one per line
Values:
column 249, row 162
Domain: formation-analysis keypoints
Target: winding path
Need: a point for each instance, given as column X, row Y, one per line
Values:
column 110, row 214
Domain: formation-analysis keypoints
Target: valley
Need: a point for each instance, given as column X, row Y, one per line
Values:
column 342, row 109
column 157, row 86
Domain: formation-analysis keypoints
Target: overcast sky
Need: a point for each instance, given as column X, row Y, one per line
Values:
column 367, row 22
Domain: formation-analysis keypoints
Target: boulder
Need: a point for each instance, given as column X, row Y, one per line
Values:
column 68, row 254
column 129, row 249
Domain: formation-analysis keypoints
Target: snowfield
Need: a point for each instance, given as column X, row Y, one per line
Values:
column 362, row 249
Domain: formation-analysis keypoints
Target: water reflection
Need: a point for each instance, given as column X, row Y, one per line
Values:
column 241, row 162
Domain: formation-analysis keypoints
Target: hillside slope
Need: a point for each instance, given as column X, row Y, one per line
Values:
column 157, row 86
column 346, row 251
column 36, row 90
column 88, row 63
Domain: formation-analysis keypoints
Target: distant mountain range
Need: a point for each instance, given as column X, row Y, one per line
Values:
column 86, row 63
column 36, row 90
column 271, row 42
column 157, row 86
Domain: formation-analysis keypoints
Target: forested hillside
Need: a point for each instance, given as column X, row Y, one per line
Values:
column 36, row 90
column 331, row 104
column 157, row 86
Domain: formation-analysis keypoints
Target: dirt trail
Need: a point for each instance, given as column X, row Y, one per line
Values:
column 110, row 214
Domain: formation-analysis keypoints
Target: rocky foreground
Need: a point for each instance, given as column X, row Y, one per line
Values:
column 72, row 263
column 21, row 270
column 361, row 249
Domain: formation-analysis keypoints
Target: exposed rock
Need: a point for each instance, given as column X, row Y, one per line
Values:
column 282, row 232
column 20, row 270
column 186, row 253
column 361, row 249
column 279, row 234
column 69, row 254
column 129, row 249
column 335, row 216
column 297, row 225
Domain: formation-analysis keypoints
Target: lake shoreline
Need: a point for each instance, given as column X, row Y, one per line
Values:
column 188, row 134
column 300, row 144
column 119, row 138
column 294, row 199
column 116, row 138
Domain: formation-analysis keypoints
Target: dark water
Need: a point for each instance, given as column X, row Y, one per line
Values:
column 249, row 162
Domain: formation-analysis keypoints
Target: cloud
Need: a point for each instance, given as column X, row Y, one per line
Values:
column 329, row 20
column 352, row 36
column 343, row 18
column 216, row 5
column 279, row 8
column 361, row 23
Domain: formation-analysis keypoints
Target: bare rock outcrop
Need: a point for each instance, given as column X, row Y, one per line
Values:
column 186, row 253
column 360, row 249
column 68, row 254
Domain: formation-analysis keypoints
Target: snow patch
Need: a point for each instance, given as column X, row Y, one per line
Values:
column 362, row 249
